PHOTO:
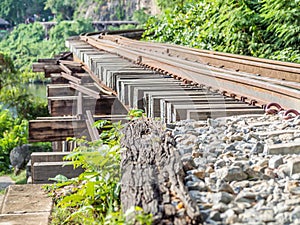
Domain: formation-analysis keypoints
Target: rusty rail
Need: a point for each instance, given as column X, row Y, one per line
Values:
column 249, row 87
column 258, row 66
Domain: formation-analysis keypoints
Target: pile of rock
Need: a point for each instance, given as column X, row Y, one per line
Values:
column 242, row 170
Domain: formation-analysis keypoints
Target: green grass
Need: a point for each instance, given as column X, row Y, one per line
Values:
column 19, row 179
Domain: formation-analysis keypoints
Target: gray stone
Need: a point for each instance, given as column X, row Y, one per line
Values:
column 260, row 204
column 205, row 214
column 263, row 163
column 282, row 218
column 199, row 162
column 283, row 171
column 215, row 215
column 234, row 173
column 243, row 185
column 292, row 202
column 294, row 166
column 251, row 136
column 242, row 164
column 192, row 178
column 230, row 147
column 229, row 216
column 188, row 162
column 212, row 123
column 195, row 194
column 170, row 210
column 295, row 214
column 184, row 150
column 219, row 164
column 20, row 156
column 266, row 215
column 199, row 186
column 252, row 174
column 222, row 197
column 221, row 207
column 246, row 197
column 243, row 205
column 275, row 161
column 225, row 187
column 281, row 208
column 250, row 217
column 295, row 190
column 257, row 148
column 296, row 176
column 211, row 222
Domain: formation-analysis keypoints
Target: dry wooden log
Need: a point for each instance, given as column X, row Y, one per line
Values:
column 68, row 62
column 65, row 68
column 56, row 130
column 67, row 105
column 70, row 77
column 49, row 68
column 153, row 175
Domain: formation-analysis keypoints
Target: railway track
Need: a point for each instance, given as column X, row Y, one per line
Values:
column 112, row 74
column 181, row 177
column 223, row 84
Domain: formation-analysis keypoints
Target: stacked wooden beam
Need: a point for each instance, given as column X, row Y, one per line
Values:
column 75, row 100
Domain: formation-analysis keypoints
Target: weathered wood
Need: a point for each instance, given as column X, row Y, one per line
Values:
column 94, row 134
column 84, row 77
column 55, row 130
column 153, row 176
column 56, row 146
column 65, row 69
column 47, row 157
column 54, row 90
column 70, row 77
column 67, row 105
column 49, row 68
column 95, row 78
column 68, row 62
column 79, row 104
column 85, row 90
column 42, row 171
column 56, row 78
column 49, row 61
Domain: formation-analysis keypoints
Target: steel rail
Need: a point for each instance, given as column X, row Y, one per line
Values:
column 264, row 67
column 254, row 90
column 161, row 48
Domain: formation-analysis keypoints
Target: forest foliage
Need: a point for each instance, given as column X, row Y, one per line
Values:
column 23, row 46
column 27, row 42
column 17, row 107
column 260, row 28
column 16, row 11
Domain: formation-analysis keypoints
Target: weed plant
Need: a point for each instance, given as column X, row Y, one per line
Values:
column 94, row 196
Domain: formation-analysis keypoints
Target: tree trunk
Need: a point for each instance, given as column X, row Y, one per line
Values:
column 153, row 176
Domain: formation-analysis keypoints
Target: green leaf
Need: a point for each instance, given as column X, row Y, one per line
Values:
column 59, row 178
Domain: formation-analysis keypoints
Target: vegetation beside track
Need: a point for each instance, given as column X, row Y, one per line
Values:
column 94, row 196
column 22, row 105
column 266, row 29
column 23, row 46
